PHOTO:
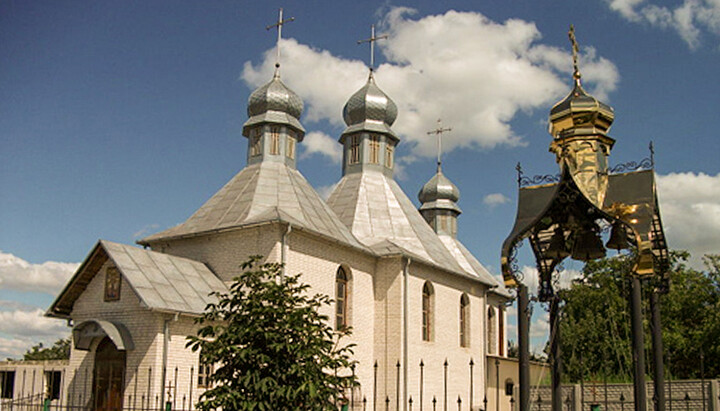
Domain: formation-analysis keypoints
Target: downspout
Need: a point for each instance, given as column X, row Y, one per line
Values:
column 283, row 251
column 406, row 273
column 484, row 339
column 166, row 342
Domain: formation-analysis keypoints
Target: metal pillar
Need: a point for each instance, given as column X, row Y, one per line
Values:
column 523, row 347
column 657, row 347
column 638, row 342
column 555, row 354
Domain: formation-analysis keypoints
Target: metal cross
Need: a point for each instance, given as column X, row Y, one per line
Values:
column 372, row 41
column 279, row 25
column 438, row 132
column 575, row 51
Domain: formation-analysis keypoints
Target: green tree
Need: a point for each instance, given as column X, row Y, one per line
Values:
column 59, row 351
column 272, row 348
column 595, row 325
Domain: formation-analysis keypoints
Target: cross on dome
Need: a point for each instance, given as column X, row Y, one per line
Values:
column 372, row 41
column 575, row 51
column 439, row 132
column 280, row 22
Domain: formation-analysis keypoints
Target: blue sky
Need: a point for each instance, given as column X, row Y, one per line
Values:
column 119, row 119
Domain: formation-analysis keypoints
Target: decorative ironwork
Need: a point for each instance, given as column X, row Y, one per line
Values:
column 513, row 263
column 536, row 179
column 644, row 164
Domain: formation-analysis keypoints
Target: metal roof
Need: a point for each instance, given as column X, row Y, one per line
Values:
column 263, row 192
column 383, row 218
column 161, row 281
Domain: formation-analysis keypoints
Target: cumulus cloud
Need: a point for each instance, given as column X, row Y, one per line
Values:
column 495, row 199
column 689, row 19
column 690, row 209
column 26, row 327
column 20, row 275
column 317, row 142
column 474, row 73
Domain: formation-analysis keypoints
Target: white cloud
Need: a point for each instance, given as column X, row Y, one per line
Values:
column 325, row 191
column 27, row 327
column 495, row 199
column 146, row 230
column 689, row 19
column 317, row 142
column 20, row 275
column 494, row 71
column 690, row 210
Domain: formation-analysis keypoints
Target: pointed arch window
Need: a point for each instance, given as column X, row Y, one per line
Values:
column 341, row 299
column 389, row 149
column 275, row 140
column 464, row 321
column 501, row 332
column 427, row 312
column 354, row 150
column 375, row 149
column 255, row 142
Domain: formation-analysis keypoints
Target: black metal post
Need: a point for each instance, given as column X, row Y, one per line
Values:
column 702, row 376
column 397, row 387
column 422, row 367
column 471, row 383
column 375, row 371
column 638, row 341
column 524, row 347
column 445, row 383
column 657, row 347
column 555, row 356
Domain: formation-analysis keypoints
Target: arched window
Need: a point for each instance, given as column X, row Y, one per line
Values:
column 464, row 321
column 491, row 339
column 275, row 140
column 341, row 299
column 427, row 312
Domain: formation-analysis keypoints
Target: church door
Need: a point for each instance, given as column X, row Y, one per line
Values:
column 109, row 377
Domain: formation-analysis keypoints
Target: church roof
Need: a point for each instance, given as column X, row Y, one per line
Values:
column 261, row 193
column 471, row 264
column 275, row 103
column 383, row 218
column 162, row 282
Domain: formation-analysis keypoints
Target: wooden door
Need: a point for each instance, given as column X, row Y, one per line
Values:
column 108, row 381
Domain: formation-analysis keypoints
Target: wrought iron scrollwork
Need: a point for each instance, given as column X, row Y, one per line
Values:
column 513, row 263
column 535, row 180
column 644, row 164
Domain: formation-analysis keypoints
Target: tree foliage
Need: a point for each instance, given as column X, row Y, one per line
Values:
column 271, row 347
column 60, row 350
column 595, row 325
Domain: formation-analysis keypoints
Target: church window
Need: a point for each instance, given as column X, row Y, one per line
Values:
column 341, row 299
column 255, row 142
column 464, row 321
column 427, row 312
column 389, row 155
column 290, row 149
column 205, row 370
column 491, row 330
column 375, row 149
column 354, row 150
column 112, row 284
column 275, row 140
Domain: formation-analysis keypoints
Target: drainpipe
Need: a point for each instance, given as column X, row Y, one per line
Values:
column 406, row 272
column 283, row 251
column 166, row 342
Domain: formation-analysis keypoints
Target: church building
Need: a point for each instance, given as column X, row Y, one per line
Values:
column 425, row 313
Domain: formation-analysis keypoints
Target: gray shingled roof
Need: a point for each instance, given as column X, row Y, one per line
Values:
column 161, row 281
column 383, row 218
column 263, row 192
column 468, row 261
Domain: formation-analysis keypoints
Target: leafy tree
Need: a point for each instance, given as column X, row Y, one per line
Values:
column 59, row 351
column 595, row 325
column 272, row 348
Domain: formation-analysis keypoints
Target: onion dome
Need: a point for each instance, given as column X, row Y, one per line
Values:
column 370, row 109
column 439, row 193
column 274, row 103
column 580, row 114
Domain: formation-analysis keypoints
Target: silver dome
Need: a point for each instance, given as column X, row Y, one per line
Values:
column 439, row 192
column 274, row 103
column 370, row 109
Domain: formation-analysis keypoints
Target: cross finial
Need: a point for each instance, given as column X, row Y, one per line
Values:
column 438, row 132
column 372, row 41
column 575, row 51
column 279, row 24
